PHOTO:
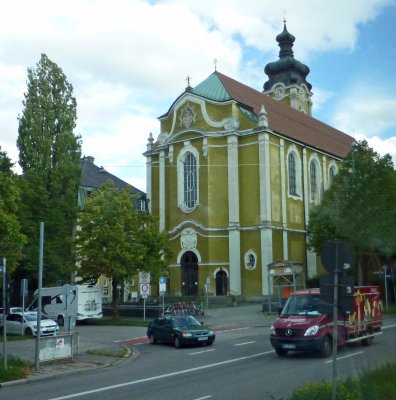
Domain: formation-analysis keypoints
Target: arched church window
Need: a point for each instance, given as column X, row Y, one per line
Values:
column 190, row 181
column 188, row 178
column 292, row 175
column 313, row 180
column 332, row 173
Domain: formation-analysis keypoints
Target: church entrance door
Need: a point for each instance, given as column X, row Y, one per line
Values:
column 221, row 283
column 189, row 274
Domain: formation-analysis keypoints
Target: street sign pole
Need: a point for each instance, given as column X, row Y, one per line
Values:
column 4, row 313
column 335, row 330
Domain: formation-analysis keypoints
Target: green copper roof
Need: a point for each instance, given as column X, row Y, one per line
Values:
column 213, row 89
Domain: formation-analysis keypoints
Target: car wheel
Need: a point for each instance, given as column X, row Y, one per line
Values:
column 60, row 320
column 177, row 342
column 210, row 342
column 152, row 339
column 281, row 352
column 28, row 332
column 327, row 347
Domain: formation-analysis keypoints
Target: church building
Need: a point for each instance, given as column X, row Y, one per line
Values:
column 232, row 177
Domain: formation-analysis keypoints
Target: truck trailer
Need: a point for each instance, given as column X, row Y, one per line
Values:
column 306, row 322
column 77, row 301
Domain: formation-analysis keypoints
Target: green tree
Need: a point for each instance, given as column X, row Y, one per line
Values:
column 49, row 154
column 116, row 240
column 11, row 238
column 359, row 208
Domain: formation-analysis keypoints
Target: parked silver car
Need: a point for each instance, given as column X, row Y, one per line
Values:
column 26, row 324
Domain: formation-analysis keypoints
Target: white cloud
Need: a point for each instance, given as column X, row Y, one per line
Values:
column 128, row 59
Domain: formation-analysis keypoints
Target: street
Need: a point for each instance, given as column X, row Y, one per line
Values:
column 240, row 365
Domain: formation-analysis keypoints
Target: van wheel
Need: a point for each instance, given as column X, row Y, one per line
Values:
column 327, row 347
column 60, row 320
column 281, row 352
column 367, row 341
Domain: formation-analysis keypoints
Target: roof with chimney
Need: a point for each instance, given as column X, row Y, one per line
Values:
column 93, row 176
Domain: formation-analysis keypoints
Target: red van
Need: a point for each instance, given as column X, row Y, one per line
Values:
column 306, row 322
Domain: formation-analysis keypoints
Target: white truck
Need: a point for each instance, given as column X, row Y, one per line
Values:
column 77, row 301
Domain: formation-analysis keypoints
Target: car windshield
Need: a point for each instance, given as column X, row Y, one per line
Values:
column 306, row 305
column 185, row 321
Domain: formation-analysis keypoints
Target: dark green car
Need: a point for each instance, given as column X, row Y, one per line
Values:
column 179, row 330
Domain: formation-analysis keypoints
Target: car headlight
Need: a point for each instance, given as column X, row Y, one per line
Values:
column 313, row 330
column 186, row 334
column 272, row 328
column 210, row 333
column 35, row 326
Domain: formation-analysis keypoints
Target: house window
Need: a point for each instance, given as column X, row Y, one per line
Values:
column 190, row 181
column 292, row 175
column 142, row 205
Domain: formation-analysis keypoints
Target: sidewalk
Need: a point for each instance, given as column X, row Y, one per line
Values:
column 217, row 318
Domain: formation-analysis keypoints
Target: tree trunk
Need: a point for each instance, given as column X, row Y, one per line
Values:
column 115, row 305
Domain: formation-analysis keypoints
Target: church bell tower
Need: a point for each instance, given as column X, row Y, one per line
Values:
column 287, row 77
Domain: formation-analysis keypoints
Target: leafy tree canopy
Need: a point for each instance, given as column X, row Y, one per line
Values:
column 11, row 238
column 49, row 154
column 359, row 207
column 116, row 240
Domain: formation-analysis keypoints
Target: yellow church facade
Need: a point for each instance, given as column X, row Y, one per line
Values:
column 232, row 177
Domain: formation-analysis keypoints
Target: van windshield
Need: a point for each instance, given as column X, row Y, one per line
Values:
column 306, row 305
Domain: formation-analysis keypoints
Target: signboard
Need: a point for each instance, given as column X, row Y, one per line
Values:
column 337, row 255
column 162, row 284
column 145, row 289
column 144, row 277
column 345, row 292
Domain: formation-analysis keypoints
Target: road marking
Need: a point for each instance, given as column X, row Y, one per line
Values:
column 389, row 326
column 349, row 355
column 223, row 330
column 203, row 398
column 243, row 344
column 154, row 378
column 200, row 352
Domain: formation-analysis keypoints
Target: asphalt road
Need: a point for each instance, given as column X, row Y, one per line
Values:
column 240, row 365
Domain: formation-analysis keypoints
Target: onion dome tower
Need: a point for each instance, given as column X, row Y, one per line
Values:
column 287, row 76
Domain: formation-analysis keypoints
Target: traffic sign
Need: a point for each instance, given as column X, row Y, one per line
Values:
column 144, row 277
column 162, row 284
column 145, row 289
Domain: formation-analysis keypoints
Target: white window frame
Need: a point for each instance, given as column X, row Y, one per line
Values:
column 249, row 256
column 183, row 154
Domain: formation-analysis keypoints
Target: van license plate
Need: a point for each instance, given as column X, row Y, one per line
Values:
column 289, row 346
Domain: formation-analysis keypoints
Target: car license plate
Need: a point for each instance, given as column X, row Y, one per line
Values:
column 289, row 346
column 203, row 338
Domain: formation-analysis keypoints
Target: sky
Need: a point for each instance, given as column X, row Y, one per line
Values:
column 128, row 61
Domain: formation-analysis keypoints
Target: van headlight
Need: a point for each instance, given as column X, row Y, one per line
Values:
column 313, row 330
